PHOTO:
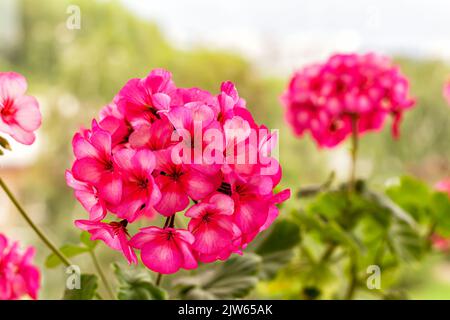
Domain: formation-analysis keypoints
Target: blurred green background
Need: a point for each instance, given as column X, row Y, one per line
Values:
column 73, row 73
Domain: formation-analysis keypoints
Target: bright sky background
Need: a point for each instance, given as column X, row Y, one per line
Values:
column 293, row 32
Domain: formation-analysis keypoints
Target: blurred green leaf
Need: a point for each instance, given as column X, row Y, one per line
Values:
column 384, row 202
column 440, row 207
column 234, row 278
column 69, row 250
column 276, row 248
column 412, row 195
column 87, row 291
column 404, row 241
column 4, row 143
column 137, row 285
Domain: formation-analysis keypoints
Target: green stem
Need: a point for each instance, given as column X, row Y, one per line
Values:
column 328, row 253
column 102, row 275
column 158, row 279
column 354, row 152
column 353, row 279
column 36, row 229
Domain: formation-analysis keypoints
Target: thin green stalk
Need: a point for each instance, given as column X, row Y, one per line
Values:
column 101, row 274
column 328, row 253
column 353, row 279
column 158, row 279
column 354, row 152
column 36, row 229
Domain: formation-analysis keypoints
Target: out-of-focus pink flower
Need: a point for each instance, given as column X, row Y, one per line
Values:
column 19, row 113
column 446, row 91
column 443, row 186
column 19, row 277
column 162, row 150
column 324, row 99
column 440, row 243
column 165, row 250
column 114, row 234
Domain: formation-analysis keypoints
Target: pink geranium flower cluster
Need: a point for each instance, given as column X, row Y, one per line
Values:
column 18, row 276
column 19, row 113
column 325, row 98
column 162, row 150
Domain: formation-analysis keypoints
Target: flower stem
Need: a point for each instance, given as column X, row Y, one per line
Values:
column 354, row 152
column 102, row 275
column 353, row 279
column 158, row 279
column 36, row 229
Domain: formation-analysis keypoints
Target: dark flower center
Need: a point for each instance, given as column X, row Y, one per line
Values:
column 119, row 226
column 225, row 188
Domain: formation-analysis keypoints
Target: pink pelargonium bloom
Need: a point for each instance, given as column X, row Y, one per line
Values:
column 114, row 234
column 140, row 193
column 216, row 235
column 141, row 99
column 18, row 275
column 178, row 182
column 95, row 164
column 325, row 98
column 19, row 113
column 165, row 250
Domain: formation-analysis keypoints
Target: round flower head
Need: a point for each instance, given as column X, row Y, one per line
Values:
column 19, row 114
column 18, row 276
column 162, row 150
column 325, row 98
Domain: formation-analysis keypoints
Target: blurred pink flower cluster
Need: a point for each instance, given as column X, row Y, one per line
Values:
column 19, row 114
column 446, row 91
column 18, row 276
column 324, row 98
column 160, row 149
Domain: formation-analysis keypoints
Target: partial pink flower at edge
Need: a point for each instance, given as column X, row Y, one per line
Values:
column 18, row 275
column 19, row 114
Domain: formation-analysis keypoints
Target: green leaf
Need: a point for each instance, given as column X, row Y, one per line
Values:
column 69, row 250
column 384, row 202
column 330, row 204
column 5, row 144
column 87, row 291
column 276, row 249
column 412, row 195
column 234, row 278
column 137, row 285
column 329, row 231
column 440, row 208
column 404, row 241
column 85, row 238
